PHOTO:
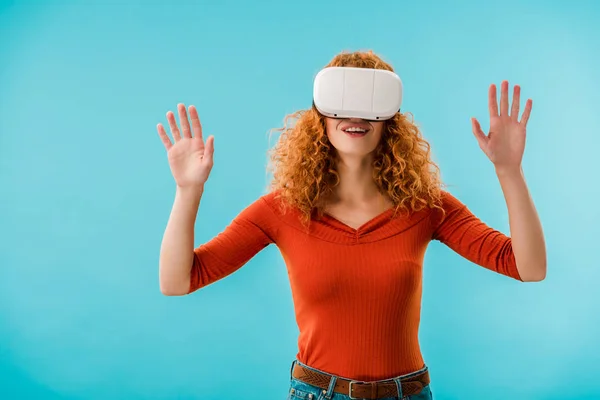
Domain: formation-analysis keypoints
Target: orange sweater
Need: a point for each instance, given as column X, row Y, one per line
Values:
column 366, row 282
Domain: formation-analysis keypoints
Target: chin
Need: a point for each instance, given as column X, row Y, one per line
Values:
column 345, row 147
column 346, row 151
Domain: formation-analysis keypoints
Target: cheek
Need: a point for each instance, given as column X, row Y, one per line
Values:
column 331, row 129
column 330, row 126
column 378, row 129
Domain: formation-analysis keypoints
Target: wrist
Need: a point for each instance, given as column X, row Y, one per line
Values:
column 508, row 171
column 194, row 191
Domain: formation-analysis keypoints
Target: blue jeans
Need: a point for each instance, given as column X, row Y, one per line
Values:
column 303, row 391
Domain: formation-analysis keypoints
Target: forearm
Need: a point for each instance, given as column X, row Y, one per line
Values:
column 525, row 227
column 177, row 249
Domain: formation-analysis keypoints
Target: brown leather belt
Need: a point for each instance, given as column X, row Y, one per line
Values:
column 362, row 390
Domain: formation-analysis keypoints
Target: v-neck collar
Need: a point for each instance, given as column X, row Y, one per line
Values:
column 329, row 229
column 386, row 224
column 368, row 226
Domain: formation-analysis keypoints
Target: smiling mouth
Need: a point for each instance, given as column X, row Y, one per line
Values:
column 355, row 131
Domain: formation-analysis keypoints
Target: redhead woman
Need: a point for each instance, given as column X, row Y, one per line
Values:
column 354, row 202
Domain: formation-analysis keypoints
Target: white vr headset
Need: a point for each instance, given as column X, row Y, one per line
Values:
column 348, row 92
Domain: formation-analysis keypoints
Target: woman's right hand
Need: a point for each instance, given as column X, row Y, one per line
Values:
column 189, row 158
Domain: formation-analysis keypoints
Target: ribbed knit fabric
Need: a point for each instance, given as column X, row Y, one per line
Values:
column 356, row 292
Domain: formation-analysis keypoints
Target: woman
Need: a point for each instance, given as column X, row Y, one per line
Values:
column 352, row 215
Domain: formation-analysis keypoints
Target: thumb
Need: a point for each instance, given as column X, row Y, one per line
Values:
column 209, row 149
column 478, row 132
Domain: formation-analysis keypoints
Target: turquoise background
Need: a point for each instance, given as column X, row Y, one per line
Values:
column 87, row 191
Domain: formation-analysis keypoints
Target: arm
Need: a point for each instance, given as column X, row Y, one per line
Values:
column 504, row 146
column 185, row 269
column 191, row 161
column 471, row 238
column 176, row 252
column 250, row 231
column 525, row 226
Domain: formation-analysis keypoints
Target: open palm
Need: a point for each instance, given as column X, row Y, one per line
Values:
column 504, row 145
column 190, row 159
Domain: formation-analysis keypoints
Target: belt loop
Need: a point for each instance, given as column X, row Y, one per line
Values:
column 292, row 368
column 330, row 389
column 399, row 385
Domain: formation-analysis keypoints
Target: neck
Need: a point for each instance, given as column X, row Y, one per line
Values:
column 356, row 181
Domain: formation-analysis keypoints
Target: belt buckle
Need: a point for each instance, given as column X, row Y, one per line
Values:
column 350, row 389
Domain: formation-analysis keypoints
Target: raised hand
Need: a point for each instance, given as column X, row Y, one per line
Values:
column 504, row 145
column 189, row 158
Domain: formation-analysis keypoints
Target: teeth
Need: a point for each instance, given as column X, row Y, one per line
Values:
column 355, row 130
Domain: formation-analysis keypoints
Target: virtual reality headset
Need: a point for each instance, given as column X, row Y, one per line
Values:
column 348, row 92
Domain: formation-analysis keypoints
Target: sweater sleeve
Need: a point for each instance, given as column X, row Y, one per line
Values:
column 468, row 236
column 233, row 247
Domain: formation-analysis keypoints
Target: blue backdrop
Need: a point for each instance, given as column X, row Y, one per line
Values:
column 86, row 190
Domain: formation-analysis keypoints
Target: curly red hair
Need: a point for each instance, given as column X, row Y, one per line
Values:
column 303, row 160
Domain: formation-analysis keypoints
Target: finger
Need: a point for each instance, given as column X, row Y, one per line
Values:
column 173, row 126
column 209, row 149
column 183, row 120
column 478, row 132
column 196, row 125
column 504, row 98
column 514, row 112
column 163, row 136
column 527, row 112
column 493, row 101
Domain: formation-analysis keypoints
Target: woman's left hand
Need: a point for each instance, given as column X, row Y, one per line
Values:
column 505, row 143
